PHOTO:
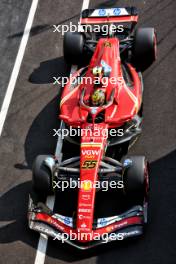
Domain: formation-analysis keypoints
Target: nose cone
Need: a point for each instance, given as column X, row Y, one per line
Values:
column 92, row 149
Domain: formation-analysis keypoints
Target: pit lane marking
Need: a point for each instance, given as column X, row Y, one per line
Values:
column 43, row 240
column 17, row 65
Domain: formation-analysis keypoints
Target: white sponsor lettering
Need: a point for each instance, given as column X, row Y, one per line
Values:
column 90, row 152
column 81, row 210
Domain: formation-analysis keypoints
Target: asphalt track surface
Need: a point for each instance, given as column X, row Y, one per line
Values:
column 33, row 114
column 13, row 15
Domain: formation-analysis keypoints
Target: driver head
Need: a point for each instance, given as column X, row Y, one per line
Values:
column 98, row 97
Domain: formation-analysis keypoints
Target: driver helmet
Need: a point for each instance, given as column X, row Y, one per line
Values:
column 98, row 97
column 97, row 71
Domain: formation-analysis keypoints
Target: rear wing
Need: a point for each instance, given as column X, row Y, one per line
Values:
column 109, row 15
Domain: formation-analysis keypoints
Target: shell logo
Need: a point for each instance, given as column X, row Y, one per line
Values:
column 86, row 185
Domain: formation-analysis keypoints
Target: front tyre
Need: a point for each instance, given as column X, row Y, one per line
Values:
column 144, row 48
column 41, row 176
column 73, row 47
column 136, row 180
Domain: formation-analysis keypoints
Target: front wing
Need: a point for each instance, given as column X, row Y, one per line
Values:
column 59, row 227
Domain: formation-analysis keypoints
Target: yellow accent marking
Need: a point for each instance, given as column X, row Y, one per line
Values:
column 115, row 109
column 68, row 96
column 133, row 97
column 91, row 145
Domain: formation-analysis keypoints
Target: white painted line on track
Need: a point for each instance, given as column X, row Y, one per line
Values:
column 85, row 4
column 17, row 65
column 43, row 240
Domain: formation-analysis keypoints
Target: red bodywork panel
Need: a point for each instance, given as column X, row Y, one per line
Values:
column 127, row 99
column 92, row 150
column 125, row 105
column 100, row 20
column 84, row 238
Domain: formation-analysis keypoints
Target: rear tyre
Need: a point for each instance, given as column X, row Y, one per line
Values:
column 41, row 176
column 136, row 180
column 145, row 48
column 73, row 47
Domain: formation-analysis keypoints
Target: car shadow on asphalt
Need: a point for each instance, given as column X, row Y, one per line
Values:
column 48, row 69
column 157, row 244
column 40, row 138
column 159, row 236
column 160, row 233
column 38, row 29
column 157, row 241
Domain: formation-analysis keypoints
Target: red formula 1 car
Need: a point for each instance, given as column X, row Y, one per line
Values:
column 104, row 106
